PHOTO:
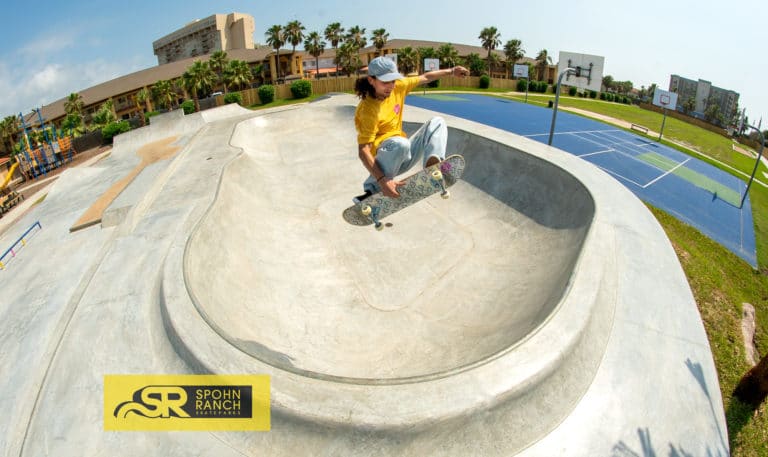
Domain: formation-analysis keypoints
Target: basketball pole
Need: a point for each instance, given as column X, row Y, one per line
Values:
column 663, row 121
column 569, row 71
column 757, row 162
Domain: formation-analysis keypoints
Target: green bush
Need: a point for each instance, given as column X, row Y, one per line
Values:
column 301, row 88
column 592, row 94
column 571, row 91
column 543, row 86
column 485, row 82
column 188, row 106
column 266, row 93
column 434, row 84
column 522, row 84
column 114, row 128
column 233, row 97
column 603, row 96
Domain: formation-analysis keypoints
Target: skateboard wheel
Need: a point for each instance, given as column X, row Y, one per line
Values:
column 379, row 226
column 365, row 210
column 437, row 175
column 445, row 194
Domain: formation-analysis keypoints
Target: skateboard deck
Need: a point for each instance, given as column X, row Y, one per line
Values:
column 417, row 186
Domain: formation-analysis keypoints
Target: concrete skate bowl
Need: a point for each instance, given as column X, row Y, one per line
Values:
column 494, row 299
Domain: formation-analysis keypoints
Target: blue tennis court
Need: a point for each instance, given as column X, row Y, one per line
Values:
column 693, row 191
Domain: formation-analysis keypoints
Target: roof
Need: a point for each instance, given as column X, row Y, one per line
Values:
column 146, row 77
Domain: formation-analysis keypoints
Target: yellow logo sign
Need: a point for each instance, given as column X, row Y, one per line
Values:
column 186, row 402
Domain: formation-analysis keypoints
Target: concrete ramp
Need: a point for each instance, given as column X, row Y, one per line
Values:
column 540, row 311
column 374, row 330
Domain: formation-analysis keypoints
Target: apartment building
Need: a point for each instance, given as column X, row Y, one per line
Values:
column 219, row 32
column 703, row 93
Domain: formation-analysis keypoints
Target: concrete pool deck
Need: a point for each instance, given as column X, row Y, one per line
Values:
column 539, row 311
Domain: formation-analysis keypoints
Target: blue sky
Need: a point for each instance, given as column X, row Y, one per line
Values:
column 52, row 48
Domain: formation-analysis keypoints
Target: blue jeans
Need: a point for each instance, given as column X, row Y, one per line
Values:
column 397, row 155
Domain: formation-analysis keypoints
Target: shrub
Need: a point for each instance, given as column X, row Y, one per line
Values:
column 522, row 84
column 572, row 91
column 434, row 84
column 485, row 82
column 233, row 97
column 266, row 93
column 188, row 106
column 114, row 128
column 592, row 94
column 602, row 96
column 543, row 86
column 301, row 88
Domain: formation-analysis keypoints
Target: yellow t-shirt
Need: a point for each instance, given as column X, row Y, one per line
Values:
column 377, row 120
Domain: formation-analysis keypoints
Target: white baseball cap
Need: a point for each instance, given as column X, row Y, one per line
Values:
column 383, row 69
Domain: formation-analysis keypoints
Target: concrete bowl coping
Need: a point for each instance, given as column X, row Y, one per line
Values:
column 539, row 376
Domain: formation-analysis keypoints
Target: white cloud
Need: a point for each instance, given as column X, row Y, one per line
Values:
column 33, row 86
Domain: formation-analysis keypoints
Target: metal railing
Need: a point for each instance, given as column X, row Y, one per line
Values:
column 14, row 247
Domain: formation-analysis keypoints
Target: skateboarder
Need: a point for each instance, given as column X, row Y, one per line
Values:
column 383, row 147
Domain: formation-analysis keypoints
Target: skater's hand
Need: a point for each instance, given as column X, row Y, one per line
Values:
column 389, row 187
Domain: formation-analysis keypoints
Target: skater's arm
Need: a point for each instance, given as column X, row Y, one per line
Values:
column 437, row 74
column 388, row 185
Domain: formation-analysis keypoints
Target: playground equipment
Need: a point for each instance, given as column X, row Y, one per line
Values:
column 8, row 176
column 8, row 197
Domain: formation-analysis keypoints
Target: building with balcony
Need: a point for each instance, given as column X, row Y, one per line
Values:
column 220, row 32
column 702, row 94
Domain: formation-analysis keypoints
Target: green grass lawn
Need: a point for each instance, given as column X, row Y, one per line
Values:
column 719, row 279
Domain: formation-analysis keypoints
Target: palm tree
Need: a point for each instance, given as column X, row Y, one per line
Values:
column 237, row 74
column 315, row 45
column 379, row 38
column 448, row 55
column 9, row 127
column 257, row 73
column 347, row 57
column 276, row 38
column 218, row 63
column 198, row 78
column 491, row 39
column 407, row 59
column 356, row 38
column 294, row 34
column 74, row 109
column 542, row 60
column 140, row 101
column 514, row 52
column 74, row 104
column 164, row 93
column 335, row 33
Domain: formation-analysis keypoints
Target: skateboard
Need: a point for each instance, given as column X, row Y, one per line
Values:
column 420, row 185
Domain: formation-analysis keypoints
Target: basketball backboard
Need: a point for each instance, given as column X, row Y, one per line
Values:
column 589, row 70
column 665, row 99
column 431, row 65
column 520, row 71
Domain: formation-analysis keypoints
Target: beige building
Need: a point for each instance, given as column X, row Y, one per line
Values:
column 220, row 32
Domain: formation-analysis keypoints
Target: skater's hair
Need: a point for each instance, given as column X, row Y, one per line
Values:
column 364, row 88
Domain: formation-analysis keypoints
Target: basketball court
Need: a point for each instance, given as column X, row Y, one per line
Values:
column 690, row 189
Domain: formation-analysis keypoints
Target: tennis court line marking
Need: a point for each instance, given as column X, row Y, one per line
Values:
column 596, row 152
column 576, row 132
column 667, row 173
